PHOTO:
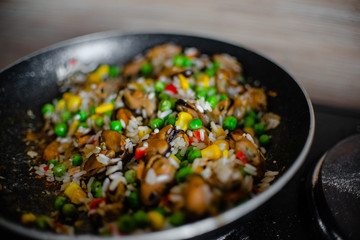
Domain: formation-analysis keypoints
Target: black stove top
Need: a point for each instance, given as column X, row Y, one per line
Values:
column 289, row 214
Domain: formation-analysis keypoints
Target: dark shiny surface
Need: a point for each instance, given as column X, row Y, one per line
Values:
column 29, row 84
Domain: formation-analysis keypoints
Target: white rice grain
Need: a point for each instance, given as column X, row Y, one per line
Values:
column 103, row 159
column 105, row 186
column 250, row 169
column 151, row 176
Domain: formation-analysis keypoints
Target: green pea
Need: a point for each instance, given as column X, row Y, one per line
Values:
column 159, row 86
column 201, row 89
column 96, row 188
column 259, row 128
column 164, row 105
column 188, row 150
column 59, row 202
column 60, row 129
column 201, row 94
column 179, row 60
column 177, row 219
column 65, row 116
column 211, row 91
column 133, row 200
column 114, row 71
column 92, row 110
column 183, row 173
column 69, row 210
column 223, row 96
column 59, row 170
column 146, row 69
column 210, row 72
column 264, row 139
column 187, row 62
column 142, row 219
column 195, row 124
column 156, row 123
column 160, row 210
column 179, row 156
column 163, row 96
column 130, row 176
column 195, row 153
column 83, row 125
column 212, row 100
column 252, row 114
column 216, row 64
column 42, row 223
column 126, row 224
column 52, row 161
column 116, row 126
column 99, row 121
column 48, row 108
column 81, row 115
column 249, row 121
column 171, row 120
column 173, row 102
column 230, row 123
column 77, row 160
column 184, row 164
column 108, row 113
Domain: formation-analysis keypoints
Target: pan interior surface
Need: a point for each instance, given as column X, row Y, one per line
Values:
column 31, row 82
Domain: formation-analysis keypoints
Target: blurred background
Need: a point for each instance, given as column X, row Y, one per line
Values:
column 317, row 42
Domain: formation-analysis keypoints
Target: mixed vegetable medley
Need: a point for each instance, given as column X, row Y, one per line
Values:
column 170, row 138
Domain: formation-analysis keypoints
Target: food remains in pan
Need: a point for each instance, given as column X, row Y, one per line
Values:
column 170, row 138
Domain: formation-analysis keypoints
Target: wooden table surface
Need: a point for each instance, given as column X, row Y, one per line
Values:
column 318, row 42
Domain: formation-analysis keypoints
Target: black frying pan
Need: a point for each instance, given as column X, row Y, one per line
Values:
column 31, row 82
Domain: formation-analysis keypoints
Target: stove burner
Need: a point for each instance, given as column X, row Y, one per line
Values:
column 336, row 190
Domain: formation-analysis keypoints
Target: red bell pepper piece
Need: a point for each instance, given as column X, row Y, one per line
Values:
column 46, row 168
column 171, row 88
column 140, row 152
column 197, row 135
column 240, row 155
column 95, row 203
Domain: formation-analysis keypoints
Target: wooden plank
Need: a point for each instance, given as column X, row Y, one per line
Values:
column 318, row 42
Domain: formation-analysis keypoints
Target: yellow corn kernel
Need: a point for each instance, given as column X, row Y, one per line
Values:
column 157, row 220
column 212, row 152
column 226, row 153
column 73, row 126
column 142, row 133
column 175, row 158
column 220, row 132
column 61, row 105
column 94, row 117
column 184, row 84
column 99, row 75
column 28, row 219
column 104, row 108
column 149, row 81
column 103, row 71
column 135, row 85
column 77, row 195
column 70, row 189
column 203, row 80
column 183, row 120
column 223, row 144
column 250, row 131
column 93, row 78
column 66, row 96
column 73, row 103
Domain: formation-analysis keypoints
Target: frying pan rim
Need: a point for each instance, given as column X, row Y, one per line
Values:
column 204, row 225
